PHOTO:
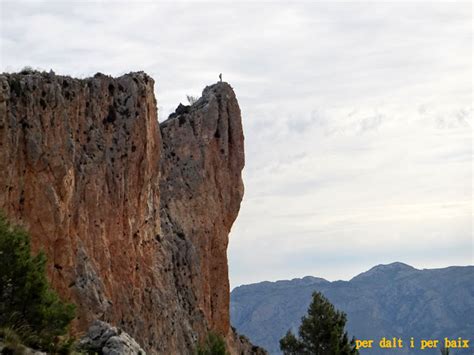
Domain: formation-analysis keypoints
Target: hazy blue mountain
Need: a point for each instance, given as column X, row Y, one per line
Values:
column 394, row 300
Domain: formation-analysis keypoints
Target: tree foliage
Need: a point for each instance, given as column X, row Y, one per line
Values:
column 214, row 344
column 321, row 332
column 27, row 302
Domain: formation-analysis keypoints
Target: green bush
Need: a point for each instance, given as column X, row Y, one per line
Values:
column 28, row 305
column 214, row 344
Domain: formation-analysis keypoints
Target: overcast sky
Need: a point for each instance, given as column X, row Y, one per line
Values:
column 357, row 116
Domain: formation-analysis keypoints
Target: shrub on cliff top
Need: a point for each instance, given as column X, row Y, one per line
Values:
column 192, row 99
column 27, row 303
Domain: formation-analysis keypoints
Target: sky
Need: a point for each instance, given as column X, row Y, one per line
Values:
column 357, row 115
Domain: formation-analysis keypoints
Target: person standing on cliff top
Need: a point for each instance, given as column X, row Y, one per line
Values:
column 220, row 77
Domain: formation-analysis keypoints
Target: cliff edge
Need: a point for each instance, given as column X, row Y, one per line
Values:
column 133, row 215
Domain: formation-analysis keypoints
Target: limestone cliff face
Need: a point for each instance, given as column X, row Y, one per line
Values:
column 201, row 190
column 133, row 216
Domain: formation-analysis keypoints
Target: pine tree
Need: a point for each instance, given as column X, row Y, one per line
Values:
column 27, row 303
column 321, row 332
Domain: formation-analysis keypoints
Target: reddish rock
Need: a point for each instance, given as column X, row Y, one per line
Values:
column 133, row 216
column 79, row 162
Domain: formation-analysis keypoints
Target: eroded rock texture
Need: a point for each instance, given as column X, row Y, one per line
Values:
column 134, row 217
column 102, row 338
column 201, row 190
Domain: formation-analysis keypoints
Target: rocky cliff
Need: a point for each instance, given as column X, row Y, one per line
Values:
column 133, row 216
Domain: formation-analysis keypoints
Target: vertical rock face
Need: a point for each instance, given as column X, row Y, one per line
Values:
column 134, row 217
column 201, row 189
column 79, row 162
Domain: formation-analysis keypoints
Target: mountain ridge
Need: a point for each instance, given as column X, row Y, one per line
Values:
column 393, row 299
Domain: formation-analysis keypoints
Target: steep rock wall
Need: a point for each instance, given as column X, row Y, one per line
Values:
column 134, row 217
column 201, row 190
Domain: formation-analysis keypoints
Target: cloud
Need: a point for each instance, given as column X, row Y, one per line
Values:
column 373, row 187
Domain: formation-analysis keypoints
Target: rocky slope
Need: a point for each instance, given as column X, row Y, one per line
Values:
column 133, row 216
column 394, row 300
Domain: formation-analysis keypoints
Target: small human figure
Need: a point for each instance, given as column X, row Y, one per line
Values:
column 220, row 77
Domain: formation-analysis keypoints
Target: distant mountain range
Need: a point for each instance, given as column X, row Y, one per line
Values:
column 394, row 300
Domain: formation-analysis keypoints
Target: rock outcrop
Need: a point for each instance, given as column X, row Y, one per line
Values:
column 201, row 189
column 102, row 338
column 133, row 216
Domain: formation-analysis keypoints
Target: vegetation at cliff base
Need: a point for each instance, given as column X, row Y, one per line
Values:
column 321, row 332
column 214, row 344
column 30, row 311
